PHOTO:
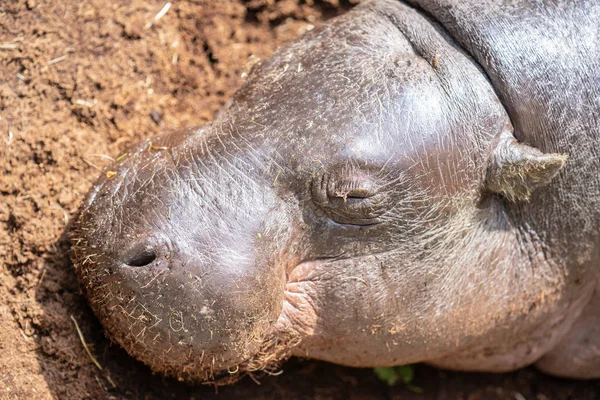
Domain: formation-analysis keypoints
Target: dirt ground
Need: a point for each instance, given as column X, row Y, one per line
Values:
column 79, row 82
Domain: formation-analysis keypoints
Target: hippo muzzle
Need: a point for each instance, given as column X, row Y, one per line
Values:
column 179, row 258
column 382, row 191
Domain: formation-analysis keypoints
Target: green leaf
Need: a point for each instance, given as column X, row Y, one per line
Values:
column 403, row 373
column 386, row 374
column 406, row 372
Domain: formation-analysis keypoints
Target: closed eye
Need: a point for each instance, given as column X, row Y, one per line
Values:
column 349, row 200
column 354, row 194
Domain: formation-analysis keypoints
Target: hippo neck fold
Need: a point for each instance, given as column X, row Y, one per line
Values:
column 538, row 57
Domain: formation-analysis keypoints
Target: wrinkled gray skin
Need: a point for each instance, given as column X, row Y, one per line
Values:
column 405, row 183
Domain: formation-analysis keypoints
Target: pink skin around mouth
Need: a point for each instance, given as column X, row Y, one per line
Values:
column 299, row 309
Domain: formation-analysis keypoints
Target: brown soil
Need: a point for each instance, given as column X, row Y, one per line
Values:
column 79, row 82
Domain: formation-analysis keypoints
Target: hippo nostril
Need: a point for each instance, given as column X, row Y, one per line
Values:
column 142, row 259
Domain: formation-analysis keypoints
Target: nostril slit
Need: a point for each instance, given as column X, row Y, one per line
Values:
column 142, row 259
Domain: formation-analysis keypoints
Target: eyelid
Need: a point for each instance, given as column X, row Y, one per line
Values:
column 361, row 193
column 357, row 187
column 353, row 199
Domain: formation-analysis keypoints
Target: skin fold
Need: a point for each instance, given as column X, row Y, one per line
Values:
column 405, row 183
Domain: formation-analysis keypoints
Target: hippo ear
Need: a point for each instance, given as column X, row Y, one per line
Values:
column 515, row 170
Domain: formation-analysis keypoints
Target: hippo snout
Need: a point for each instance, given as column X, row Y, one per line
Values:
column 177, row 266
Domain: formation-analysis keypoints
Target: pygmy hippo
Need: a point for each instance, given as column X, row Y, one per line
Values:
column 405, row 183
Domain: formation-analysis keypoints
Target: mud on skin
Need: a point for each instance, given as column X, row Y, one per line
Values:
column 406, row 183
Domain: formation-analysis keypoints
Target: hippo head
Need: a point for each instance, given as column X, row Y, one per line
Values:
column 351, row 203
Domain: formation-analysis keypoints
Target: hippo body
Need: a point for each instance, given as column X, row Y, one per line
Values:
column 406, row 183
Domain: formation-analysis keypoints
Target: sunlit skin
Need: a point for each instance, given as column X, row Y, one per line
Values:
column 382, row 191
